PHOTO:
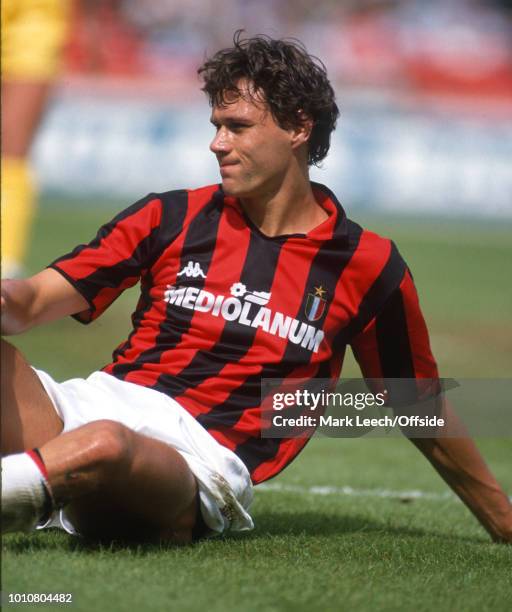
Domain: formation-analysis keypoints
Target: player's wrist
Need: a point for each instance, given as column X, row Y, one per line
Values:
column 502, row 530
column 497, row 518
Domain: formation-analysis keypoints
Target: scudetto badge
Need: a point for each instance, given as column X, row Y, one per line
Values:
column 315, row 304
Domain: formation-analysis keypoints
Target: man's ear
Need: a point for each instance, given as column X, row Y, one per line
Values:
column 302, row 132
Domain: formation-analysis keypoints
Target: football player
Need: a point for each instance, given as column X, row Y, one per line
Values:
column 261, row 276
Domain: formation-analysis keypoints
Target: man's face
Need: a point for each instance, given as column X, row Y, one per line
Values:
column 253, row 152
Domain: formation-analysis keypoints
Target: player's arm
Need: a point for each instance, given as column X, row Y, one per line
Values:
column 395, row 345
column 87, row 280
column 459, row 462
column 42, row 298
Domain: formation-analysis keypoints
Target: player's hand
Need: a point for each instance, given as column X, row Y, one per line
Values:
column 14, row 294
column 42, row 298
column 503, row 533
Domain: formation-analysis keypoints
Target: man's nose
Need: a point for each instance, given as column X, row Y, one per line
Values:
column 220, row 142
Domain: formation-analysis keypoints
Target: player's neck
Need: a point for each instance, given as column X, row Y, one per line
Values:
column 289, row 208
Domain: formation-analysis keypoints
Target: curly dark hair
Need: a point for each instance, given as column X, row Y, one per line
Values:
column 294, row 84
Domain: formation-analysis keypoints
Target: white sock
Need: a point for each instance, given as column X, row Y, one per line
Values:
column 25, row 493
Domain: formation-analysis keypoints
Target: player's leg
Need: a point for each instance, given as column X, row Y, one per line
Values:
column 28, row 417
column 28, row 420
column 118, row 484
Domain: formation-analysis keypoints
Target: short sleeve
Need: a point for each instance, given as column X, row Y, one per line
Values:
column 115, row 259
column 395, row 343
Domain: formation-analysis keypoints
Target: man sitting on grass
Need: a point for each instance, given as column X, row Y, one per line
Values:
column 262, row 276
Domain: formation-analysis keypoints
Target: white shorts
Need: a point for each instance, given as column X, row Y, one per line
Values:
column 225, row 488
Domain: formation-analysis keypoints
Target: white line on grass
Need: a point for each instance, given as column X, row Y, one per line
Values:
column 330, row 490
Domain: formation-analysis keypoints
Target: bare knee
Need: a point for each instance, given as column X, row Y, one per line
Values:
column 129, row 486
column 108, row 449
column 115, row 482
column 89, row 459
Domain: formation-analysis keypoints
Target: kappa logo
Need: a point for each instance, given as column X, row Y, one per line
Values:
column 192, row 269
column 315, row 304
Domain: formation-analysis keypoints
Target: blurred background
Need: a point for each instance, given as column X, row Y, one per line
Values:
column 422, row 151
column 424, row 88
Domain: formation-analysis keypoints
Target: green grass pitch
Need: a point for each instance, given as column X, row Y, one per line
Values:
column 338, row 529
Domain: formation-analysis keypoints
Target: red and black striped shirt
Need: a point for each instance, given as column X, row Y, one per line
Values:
column 223, row 306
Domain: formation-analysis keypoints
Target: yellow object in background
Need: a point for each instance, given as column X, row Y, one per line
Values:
column 18, row 205
column 33, row 36
column 33, row 33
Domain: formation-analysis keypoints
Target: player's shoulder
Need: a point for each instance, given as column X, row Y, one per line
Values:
column 172, row 208
column 186, row 198
column 366, row 241
column 374, row 257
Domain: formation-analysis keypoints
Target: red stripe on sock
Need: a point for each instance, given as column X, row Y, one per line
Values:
column 36, row 458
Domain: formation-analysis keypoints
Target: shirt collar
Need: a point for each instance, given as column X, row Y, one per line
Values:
column 335, row 226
